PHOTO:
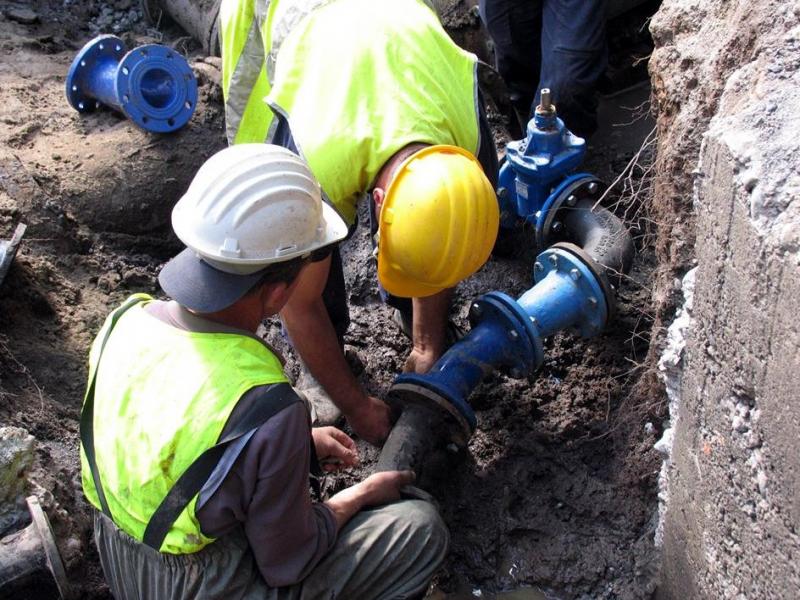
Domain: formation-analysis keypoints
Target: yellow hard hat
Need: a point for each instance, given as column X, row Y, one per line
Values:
column 438, row 222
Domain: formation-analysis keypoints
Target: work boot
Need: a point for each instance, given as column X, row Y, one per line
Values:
column 323, row 410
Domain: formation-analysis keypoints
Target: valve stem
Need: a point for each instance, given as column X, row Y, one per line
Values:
column 546, row 107
column 545, row 103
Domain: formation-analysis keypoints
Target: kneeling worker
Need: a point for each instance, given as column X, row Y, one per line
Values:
column 196, row 450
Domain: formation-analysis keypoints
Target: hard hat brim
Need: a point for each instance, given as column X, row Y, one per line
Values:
column 335, row 226
column 198, row 286
column 397, row 284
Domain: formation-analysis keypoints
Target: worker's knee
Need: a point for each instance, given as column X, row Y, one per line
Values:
column 423, row 521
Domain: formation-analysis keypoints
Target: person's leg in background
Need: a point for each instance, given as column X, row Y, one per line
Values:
column 574, row 58
column 515, row 27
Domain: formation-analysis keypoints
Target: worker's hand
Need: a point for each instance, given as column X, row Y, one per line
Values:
column 384, row 487
column 372, row 421
column 421, row 361
column 335, row 449
column 376, row 489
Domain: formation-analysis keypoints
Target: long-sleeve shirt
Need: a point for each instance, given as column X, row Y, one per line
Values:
column 261, row 483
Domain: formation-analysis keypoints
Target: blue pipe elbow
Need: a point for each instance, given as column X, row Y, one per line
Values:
column 152, row 85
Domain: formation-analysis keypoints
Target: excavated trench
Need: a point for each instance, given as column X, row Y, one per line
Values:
column 556, row 494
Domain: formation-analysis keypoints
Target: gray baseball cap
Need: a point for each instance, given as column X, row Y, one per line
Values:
column 196, row 285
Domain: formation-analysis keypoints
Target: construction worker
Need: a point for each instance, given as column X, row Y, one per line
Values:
column 554, row 44
column 196, row 450
column 380, row 102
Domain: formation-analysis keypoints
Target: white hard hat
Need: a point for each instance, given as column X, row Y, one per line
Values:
column 254, row 204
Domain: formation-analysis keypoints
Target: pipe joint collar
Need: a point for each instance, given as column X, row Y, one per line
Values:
column 575, row 290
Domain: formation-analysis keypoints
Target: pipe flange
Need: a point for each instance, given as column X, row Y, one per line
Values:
column 104, row 47
column 52, row 556
column 410, row 389
column 577, row 186
column 597, row 270
column 156, row 88
column 594, row 307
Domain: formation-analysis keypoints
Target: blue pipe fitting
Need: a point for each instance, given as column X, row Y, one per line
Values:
column 567, row 294
column 532, row 165
column 508, row 334
column 152, row 85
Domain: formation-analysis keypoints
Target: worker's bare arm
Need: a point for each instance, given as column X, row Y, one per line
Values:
column 378, row 488
column 314, row 338
column 430, row 325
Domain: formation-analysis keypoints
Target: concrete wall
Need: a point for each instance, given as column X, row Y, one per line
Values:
column 731, row 484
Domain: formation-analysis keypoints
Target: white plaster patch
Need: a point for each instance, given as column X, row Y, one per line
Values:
column 670, row 366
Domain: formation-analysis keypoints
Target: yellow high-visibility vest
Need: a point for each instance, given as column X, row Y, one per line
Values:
column 162, row 397
column 357, row 80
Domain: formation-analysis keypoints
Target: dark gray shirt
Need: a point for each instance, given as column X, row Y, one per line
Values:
column 261, row 483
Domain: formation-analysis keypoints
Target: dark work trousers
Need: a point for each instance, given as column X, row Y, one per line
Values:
column 556, row 44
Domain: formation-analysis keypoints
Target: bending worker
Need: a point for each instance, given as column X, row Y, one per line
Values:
column 196, row 450
column 381, row 102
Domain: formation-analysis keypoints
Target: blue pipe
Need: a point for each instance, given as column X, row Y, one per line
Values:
column 508, row 334
column 152, row 85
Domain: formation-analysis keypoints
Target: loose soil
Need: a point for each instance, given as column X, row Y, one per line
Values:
column 557, row 489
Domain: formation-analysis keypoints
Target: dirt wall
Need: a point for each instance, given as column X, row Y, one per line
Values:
column 726, row 76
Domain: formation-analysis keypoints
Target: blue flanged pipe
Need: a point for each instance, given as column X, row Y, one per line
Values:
column 152, row 85
column 507, row 335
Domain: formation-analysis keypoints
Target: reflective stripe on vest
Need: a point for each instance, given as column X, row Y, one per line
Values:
column 162, row 398
column 244, row 78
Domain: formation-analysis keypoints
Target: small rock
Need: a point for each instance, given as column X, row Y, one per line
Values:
column 22, row 15
column 108, row 282
column 137, row 278
column 214, row 61
column 207, row 74
column 761, row 480
column 739, row 425
column 16, row 457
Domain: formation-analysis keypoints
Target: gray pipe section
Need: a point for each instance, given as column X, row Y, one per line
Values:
column 27, row 555
column 601, row 235
column 198, row 18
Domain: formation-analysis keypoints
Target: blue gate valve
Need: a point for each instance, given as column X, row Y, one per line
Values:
column 152, row 85
column 507, row 334
column 533, row 165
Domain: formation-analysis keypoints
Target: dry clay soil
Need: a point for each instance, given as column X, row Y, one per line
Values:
column 557, row 489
